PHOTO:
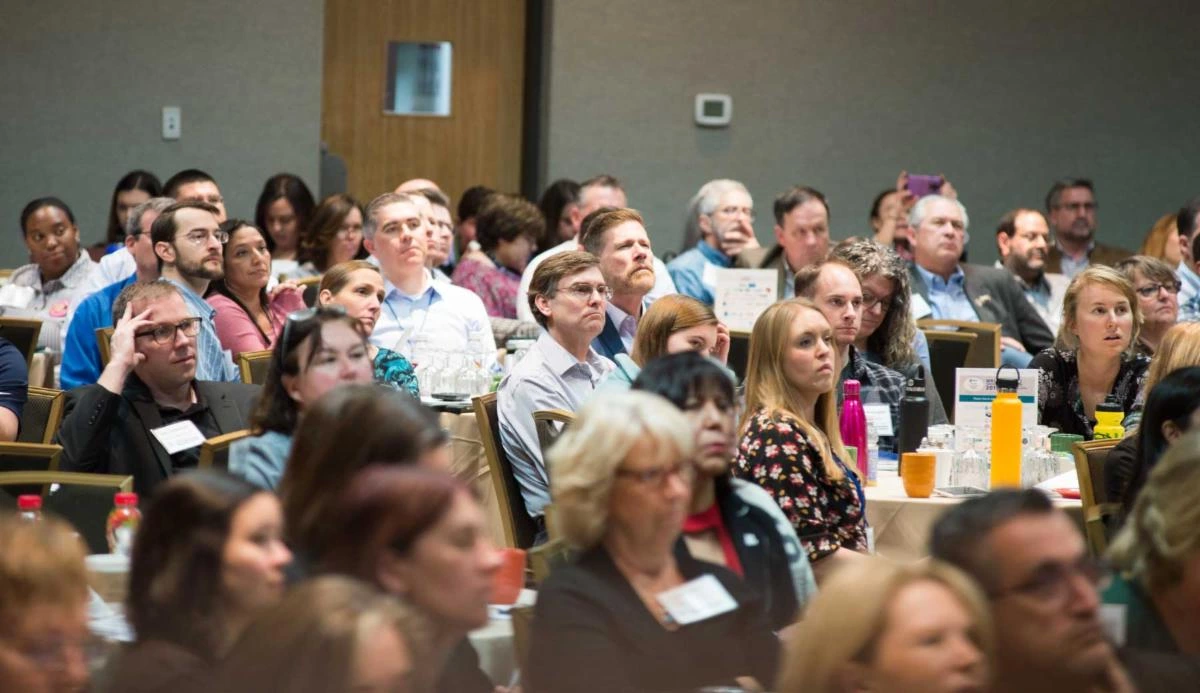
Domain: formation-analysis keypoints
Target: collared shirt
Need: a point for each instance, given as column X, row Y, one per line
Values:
column 445, row 315
column 789, row 279
column 626, row 323
column 693, row 272
column 212, row 362
column 81, row 354
column 663, row 285
column 1189, row 310
column 1189, row 281
column 1070, row 266
column 948, row 299
column 548, row 377
column 879, row 384
column 112, row 268
column 1045, row 295
column 27, row 296
column 198, row 413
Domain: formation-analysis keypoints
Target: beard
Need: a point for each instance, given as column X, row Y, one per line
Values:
column 640, row 279
column 199, row 270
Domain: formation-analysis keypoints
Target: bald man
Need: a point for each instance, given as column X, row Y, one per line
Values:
column 413, row 185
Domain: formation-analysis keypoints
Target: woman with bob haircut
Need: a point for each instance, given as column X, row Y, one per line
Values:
column 507, row 229
column 319, row 350
column 789, row 439
column 207, row 559
column 421, row 536
column 730, row 522
column 1157, row 554
column 284, row 209
column 622, row 485
column 879, row 626
column 1094, row 355
column 671, row 325
column 334, row 236
column 329, row 634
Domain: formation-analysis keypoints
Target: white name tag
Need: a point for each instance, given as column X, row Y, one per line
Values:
column 879, row 416
column 1112, row 620
column 180, row 435
column 696, row 600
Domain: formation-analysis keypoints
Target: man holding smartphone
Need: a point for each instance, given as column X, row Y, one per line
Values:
column 725, row 217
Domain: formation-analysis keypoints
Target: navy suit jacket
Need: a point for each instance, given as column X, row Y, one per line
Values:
column 608, row 343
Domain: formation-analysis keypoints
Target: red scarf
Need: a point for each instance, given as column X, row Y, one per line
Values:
column 711, row 520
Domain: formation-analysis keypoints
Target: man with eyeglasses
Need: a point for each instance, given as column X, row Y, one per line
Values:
column 148, row 414
column 801, row 237
column 725, row 217
column 190, row 250
column 561, row 370
column 1071, row 207
column 81, row 363
column 1023, row 239
column 946, row 289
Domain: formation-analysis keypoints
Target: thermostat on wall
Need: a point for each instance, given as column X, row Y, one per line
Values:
column 714, row 110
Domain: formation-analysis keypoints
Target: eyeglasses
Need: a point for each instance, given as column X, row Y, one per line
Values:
column 1150, row 290
column 869, row 301
column 734, row 211
column 1051, row 582
column 584, row 292
column 658, row 476
column 165, row 334
column 199, row 238
column 348, row 231
column 302, row 316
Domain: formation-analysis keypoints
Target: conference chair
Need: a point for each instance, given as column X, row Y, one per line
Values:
column 739, row 353
column 104, row 342
column 519, row 528
column 23, row 333
column 985, row 352
column 947, row 353
column 544, row 421
column 1090, row 457
column 41, row 416
column 84, row 500
column 254, row 366
column 214, row 452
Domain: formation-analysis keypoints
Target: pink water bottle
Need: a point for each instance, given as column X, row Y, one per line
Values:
column 853, row 424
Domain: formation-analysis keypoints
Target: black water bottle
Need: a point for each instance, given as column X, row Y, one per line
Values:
column 914, row 414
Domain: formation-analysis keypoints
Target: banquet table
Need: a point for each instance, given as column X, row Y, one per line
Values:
column 901, row 525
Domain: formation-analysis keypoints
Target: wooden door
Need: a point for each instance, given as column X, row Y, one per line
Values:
column 479, row 143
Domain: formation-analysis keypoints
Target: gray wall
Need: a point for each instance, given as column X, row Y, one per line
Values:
column 1002, row 97
column 83, row 84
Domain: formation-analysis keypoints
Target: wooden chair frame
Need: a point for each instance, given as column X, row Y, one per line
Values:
column 49, row 451
column 542, row 420
column 246, row 361
column 104, row 342
column 24, row 323
column 1094, row 512
column 989, row 334
column 57, row 404
column 115, row 481
column 496, row 467
column 216, row 444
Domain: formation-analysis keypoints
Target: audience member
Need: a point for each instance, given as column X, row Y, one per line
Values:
column 413, row 304
column 429, row 228
column 622, row 486
column 1187, row 221
column 1094, row 355
column 801, row 237
column 441, row 226
column 880, row 626
column 594, row 194
column 558, row 204
column 506, row 228
column 413, row 185
column 189, row 244
column 1162, row 241
column 1041, row 585
column 950, row 290
column 334, row 236
column 1071, row 208
column 328, row 635
column 150, row 383
column 725, row 218
column 1023, row 238
column 730, row 522
column 357, row 287
column 43, row 607
column 672, row 325
column 1189, row 310
column 134, row 188
column 420, row 535
column 284, row 210
column 52, row 284
column 1157, row 555
column 790, row 443
column 889, row 222
column 472, row 200
column 247, row 317
column 561, row 369
column 14, row 390
column 81, row 353
column 321, row 348
column 207, row 559
column 618, row 238
column 349, row 428
column 1158, row 296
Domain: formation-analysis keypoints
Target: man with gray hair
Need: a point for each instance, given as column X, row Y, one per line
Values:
column 725, row 218
column 946, row 289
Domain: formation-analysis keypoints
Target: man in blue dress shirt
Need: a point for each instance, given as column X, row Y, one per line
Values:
column 725, row 217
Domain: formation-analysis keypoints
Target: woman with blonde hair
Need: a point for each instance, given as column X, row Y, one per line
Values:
column 790, row 443
column 1162, row 241
column 1094, row 355
column 1157, row 555
column 879, row 626
column 672, row 325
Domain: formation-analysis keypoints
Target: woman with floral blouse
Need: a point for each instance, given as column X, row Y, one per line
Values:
column 789, row 435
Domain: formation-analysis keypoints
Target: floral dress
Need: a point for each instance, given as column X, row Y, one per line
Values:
column 395, row 370
column 496, row 286
column 827, row 514
column 1059, row 403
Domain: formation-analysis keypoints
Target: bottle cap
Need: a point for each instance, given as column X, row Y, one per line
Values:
column 29, row 502
column 1007, row 383
column 1110, row 404
column 851, row 387
column 125, row 498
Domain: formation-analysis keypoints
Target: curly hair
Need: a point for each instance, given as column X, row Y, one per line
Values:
column 893, row 340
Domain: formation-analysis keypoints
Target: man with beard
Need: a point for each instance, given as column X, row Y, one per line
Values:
column 1071, row 206
column 1023, row 238
column 188, row 244
column 618, row 237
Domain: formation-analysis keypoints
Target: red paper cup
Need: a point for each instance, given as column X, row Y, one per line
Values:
column 510, row 579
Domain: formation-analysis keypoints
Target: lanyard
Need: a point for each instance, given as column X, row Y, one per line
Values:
column 410, row 334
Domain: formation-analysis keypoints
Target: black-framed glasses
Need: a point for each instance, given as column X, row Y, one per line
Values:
column 1051, row 582
column 165, row 334
column 302, row 316
column 1151, row 290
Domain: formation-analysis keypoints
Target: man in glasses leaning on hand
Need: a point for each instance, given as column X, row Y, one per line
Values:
column 148, row 414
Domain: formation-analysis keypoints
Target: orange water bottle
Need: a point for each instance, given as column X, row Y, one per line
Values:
column 1006, row 431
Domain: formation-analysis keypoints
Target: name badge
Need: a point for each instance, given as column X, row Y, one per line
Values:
column 178, row 436
column 1112, row 620
column 879, row 416
column 696, row 600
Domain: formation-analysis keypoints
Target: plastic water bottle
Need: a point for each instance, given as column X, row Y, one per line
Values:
column 1109, row 415
column 1006, row 432
column 853, row 424
column 29, row 507
column 914, row 414
column 122, row 523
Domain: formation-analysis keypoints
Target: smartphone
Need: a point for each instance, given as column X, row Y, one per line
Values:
column 920, row 185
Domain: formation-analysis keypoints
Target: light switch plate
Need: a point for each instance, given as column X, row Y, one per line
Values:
column 172, row 122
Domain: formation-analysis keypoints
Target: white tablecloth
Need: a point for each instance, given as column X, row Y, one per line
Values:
column 494, row 642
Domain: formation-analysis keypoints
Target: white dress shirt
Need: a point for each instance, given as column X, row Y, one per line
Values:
column 447, row 315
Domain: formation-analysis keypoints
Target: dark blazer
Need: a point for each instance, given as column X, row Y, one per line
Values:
column 765, row 258
column 608, row 343
column 1101, row 255
column 592, row 633
column 110, row 434
column 997, row 297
